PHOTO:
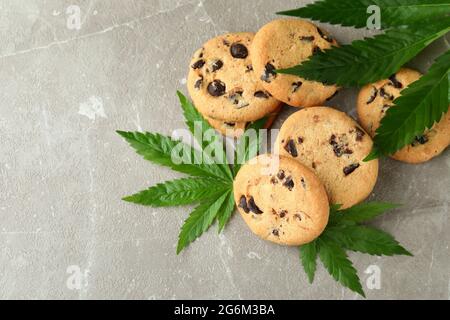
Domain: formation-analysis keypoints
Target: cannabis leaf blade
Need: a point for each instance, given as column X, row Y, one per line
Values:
column 360, row 213
column 158, row 149
column 366, row 240
column 355, row 12
column 179, row 192
column 420, row 106
column 369, row 60
column 226, row 211
column 249, row 144
column 204, row 133
column 308, row 256
column 199, row 221
column 338, row 265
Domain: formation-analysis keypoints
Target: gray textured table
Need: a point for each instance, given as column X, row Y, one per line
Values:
column 65, row 233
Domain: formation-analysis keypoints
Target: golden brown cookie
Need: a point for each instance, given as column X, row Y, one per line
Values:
column 222, row 82
column 334, row 146
column 281, row 200
column 286, row 43
column 375, row 99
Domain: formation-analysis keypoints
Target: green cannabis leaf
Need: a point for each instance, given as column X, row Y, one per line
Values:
column 211, row 183
column 199, row 221
column 366, row 240
column 226, row 211
column 308, row 256
column 360, row 213
column 204, row 133
column 420, row 106
column 355, row 12
column 158, row 149
column 372, row 59
column 180, row 192
column 338, row 265
column 345, row 233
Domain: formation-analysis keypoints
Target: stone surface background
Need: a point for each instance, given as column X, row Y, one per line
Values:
column 63, row 170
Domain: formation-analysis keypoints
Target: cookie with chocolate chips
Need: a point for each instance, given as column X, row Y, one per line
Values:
column 376, row 99
column 281, row 200
column 236, row 129
column 333, row 146
column 223, row 84
column 286, row 43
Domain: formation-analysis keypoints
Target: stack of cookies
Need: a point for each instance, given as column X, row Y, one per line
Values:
column 285, row 198
column 232, row 79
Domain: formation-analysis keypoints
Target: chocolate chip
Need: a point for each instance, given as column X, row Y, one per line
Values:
column 239, row 51
column 420, row 140
column 253, row 207
column 300, row 140
column 308, row 39
column 281, row 175
column 237, row 99
column 289, row 183
column 276, row 233
column 351, row 168
column 262, row 95
column 373, row 96
column 198, row 83
column 249, row 68
column 283, row 214
column 230, row 124
column 236, row 96
column 359, row 134
column 296, row 86
column 274, row 181
column 291, row 148
column 314, row 165
column 339, row 148
column 217, row 88
column 397, row 84
column 216, row 65
column 199, row 64
column 333, row 95
column 298, row 217
column 316, row 49
column 243, row 204
column 336, row 148
column 226, row 43
column 386, row 95
column 324, row 36
column 269, row 73
column 303, row 183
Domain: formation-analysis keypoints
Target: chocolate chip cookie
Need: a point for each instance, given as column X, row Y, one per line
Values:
column 334, row 146
column 376, row 99
column 286, row 43
column 223, row 84
column 281, row 200
column 236, row 129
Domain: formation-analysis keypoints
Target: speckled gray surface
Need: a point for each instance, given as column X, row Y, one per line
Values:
column 64, row 232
